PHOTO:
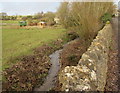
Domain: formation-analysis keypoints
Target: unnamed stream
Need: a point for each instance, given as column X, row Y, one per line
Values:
column 49, row 82
column 53, row 72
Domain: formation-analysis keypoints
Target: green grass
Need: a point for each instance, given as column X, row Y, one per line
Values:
column 18, row 41
column 10, row 21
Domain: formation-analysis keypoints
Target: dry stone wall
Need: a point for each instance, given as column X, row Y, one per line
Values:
column 90, row 73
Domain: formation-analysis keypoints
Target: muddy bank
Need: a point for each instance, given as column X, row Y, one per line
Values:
column 72, row 52
column 53, row 72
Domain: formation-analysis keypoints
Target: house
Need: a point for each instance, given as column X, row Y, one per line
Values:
column 56, row 19
column 42, row 24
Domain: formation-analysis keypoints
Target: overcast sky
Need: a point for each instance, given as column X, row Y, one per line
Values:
column 28, row 8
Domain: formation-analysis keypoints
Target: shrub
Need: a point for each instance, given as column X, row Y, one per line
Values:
column 73, row 59
column 32, row 23
column 106, row 17
column 51, row 23
column 71, row 35
column 84, row 17
column 49, row 18
column 24, row 18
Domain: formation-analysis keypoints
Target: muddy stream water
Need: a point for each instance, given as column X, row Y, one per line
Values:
column 53, row 72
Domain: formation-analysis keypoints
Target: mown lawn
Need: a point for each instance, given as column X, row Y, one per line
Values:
column 18, row 41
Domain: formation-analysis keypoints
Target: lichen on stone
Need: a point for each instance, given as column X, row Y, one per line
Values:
column 90, row 73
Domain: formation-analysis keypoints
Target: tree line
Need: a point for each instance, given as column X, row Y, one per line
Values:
column 4, row 16
column 47, row 17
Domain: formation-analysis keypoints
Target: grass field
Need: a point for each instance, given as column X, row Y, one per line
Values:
column 10, row 21
column 18, row 41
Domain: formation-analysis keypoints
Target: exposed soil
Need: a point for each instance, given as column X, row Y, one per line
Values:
column 113, row 74
column 72, row 52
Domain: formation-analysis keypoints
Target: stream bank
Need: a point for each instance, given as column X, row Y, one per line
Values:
column 53, row 72
column 59, row 59
column 70, row 55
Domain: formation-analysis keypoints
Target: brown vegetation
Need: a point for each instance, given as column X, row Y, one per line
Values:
column 31, row 70
column 72, row 52
column 84, row 17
